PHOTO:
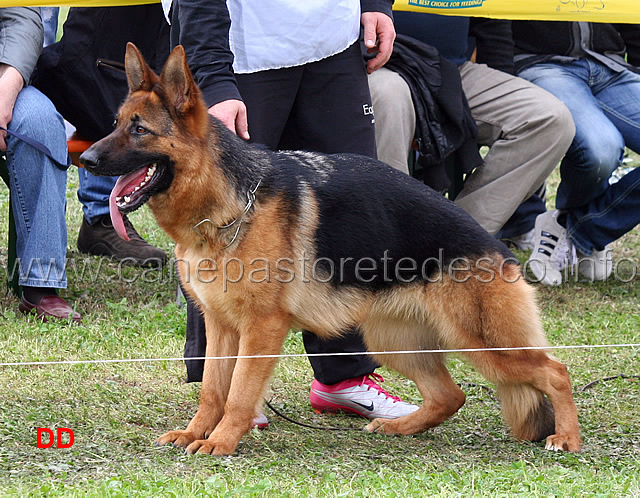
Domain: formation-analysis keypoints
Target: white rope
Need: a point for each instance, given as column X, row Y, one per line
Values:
column 297, row 355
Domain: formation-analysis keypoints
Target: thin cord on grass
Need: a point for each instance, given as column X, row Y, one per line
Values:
column 309, row 426
column 604, row 379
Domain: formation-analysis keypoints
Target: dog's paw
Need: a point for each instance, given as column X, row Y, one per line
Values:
column 211, row 447
column 559, row 442
column 379, row 426
column 181, row 439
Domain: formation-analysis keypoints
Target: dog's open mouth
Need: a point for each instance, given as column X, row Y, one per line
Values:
column 130, row 192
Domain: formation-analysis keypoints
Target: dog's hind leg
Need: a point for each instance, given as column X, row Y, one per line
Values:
column 503, row 314
column 262, row 336
column 216, row 380
column 442, row 397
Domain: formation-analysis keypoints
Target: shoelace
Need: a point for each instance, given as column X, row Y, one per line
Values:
column 565, row 254
column 374, row 380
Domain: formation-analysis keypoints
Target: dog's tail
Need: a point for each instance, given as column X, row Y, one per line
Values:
column 509, row 318
column 527, row 411
column 516, row 318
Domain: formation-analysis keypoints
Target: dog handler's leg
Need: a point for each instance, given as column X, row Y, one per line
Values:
column 264, row 336
column 216, row 381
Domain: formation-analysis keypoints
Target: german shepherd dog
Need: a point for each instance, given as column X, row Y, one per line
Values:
column 266, row 241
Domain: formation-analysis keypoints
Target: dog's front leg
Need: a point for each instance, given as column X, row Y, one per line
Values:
column 216, row 380
column 248, row 385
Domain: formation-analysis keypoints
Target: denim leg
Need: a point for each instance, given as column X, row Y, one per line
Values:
column 608, row 217
column 38, row 189
column 94, row 194
column 49, row 23
column 598, row 147
column 619, row 98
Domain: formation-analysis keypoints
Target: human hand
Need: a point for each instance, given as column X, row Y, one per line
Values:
column 379, row 34
column 11, row 83
column 233, row 114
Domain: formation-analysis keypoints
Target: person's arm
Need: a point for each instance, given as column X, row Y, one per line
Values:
column 379, row 32
column 630, row 33
column 20, row 46
column 494, row 43
column 11, row 82
column 202, row 28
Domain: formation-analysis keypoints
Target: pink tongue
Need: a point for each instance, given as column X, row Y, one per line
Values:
column 116, row 217
column 124, row 185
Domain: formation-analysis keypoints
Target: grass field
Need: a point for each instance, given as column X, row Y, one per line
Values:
column 117, row 410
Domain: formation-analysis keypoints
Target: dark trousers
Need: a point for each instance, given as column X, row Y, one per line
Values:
column 322, row 106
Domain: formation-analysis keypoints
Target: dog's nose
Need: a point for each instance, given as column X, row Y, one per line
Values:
column 89, row 159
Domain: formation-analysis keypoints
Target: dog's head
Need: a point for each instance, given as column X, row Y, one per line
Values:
column 159, row 122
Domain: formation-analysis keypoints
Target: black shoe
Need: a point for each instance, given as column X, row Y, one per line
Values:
column 101, row 239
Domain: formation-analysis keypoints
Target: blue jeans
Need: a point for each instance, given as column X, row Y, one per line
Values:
column 94, row 194
column 605, row 106
column 607, row 217
column 49, row 23
column 38, row 189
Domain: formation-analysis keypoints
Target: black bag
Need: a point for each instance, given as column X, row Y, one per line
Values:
column 83, row 74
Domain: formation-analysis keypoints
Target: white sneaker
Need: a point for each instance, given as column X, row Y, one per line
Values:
column 524, row 241
column 597, row 266
column 361, row 396
column 552, row 252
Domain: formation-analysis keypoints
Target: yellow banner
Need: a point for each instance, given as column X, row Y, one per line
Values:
column 623, row 11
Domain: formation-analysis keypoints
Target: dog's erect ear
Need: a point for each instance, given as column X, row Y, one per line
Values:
column 177, row 81
column 139, row 74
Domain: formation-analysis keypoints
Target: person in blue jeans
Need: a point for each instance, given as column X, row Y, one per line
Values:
column 593, row 226
column 38, row 182
column 593, row 69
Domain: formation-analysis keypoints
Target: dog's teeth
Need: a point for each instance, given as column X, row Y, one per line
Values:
column 127, row 199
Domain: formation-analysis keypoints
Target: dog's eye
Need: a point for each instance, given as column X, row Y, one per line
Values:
column 115, row 123
column 139, row 130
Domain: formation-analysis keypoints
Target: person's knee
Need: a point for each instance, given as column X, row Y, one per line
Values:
column 597, row 152
column 36, row 115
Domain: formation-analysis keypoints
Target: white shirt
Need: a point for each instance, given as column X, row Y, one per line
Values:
column 272, row 34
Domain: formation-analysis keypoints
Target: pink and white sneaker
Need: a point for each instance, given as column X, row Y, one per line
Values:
column 260, row 421
column 361, row 396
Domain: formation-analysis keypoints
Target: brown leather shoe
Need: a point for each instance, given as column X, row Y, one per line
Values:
column 50, row 307
column 101, row 239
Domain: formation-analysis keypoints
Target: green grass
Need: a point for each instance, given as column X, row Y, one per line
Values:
column 117, row 410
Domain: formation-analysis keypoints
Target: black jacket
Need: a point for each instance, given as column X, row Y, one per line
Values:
column 444, row 125
column 83, row 74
